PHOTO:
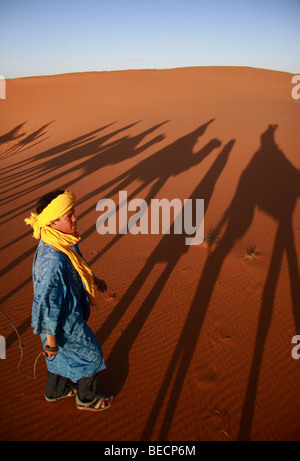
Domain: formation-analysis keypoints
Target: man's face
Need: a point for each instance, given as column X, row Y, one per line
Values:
column 67, row 223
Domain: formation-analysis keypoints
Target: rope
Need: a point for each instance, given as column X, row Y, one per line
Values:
column 21, row 346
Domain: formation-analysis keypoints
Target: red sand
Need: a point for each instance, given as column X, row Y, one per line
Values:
column 197, row 339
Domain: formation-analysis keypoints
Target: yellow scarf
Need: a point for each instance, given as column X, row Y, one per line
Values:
column 55, row 210
column 61, row 241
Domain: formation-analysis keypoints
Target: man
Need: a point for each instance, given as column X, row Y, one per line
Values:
column 63, row 294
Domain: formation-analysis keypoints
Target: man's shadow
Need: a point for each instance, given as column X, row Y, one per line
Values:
column 271, row 183
column 277, row 191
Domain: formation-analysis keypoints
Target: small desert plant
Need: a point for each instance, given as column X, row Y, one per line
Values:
column 211, row 236
column 250, row 250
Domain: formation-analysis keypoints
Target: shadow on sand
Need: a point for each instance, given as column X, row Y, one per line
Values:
column 269, row 182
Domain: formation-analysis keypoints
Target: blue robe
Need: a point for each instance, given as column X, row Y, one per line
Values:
column 61, row 307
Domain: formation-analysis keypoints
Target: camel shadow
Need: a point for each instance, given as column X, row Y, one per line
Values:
column 19, row 141
column 170, row 249
column 154, row 171
column 92, row 153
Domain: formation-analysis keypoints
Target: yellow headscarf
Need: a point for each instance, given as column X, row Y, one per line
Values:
column 61, row 241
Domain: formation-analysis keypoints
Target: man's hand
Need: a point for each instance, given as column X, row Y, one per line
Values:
column 51, row 342
column 100, row 284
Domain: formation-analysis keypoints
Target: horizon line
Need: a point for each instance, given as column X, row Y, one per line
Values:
column 148, row 69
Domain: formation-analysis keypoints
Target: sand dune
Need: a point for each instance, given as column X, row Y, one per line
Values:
column 197, row 339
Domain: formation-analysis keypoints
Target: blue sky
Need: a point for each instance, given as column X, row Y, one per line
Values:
column 42, row 37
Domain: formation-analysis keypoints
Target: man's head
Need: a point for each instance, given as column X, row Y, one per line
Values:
column 67, row 223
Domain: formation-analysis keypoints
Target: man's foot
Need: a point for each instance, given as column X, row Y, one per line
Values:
column 69, row 393
column 101, row 402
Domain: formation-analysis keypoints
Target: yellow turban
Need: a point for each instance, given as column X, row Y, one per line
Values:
column 55, row 210
column 61, row 241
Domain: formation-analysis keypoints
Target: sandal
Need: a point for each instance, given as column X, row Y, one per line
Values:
column 69, row 393
column 101, row 402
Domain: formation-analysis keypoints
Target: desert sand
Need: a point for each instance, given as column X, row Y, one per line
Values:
column 197, row 339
